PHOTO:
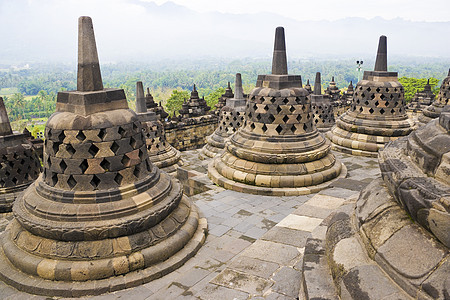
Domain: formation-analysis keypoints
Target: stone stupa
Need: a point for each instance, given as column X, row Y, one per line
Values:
column 223, row 99
column 194, row 106
column 278, row 151
column 308, row 87
column 102, row 217
column 160, row 152
column 333, row 91
column 433, row 110
column 231, row 118
column 377, row 114
column 322, row 108
column 154, row 107
column 421, row 99
column 19, row 162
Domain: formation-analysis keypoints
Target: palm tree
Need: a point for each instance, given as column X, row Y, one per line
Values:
column 19, row 101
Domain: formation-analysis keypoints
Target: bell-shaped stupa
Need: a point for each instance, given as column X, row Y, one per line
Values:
column 421, row 99
column 160, row 152
column 333, row 91
column 278, row 151
column 19, row 162
column 321, row 107
column 102, row 217
column 231, row 119
column 433, row 111
column 377, row 114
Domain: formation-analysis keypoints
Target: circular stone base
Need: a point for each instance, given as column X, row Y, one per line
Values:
column 350, row 151
column 210, row 151
column 39, row 286
column 258, row 190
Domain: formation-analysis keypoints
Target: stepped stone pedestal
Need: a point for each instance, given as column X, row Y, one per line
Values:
column 160, row 152
column 223, row 99
column 19, row 162
column 433, row 111
column 377, row 115
column 322, row 108
column 399, row 227
column 231, row 118
column 332, row 91
column 421, row 99
column 101, row 217
column 278, row 151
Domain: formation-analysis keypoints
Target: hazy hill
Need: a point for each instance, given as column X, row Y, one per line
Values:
column 131, row 30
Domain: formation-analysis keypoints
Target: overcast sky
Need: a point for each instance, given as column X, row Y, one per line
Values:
column 414, row 10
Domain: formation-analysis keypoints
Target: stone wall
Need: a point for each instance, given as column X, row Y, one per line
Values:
column 190, row 134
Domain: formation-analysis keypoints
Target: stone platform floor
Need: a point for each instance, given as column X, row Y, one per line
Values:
column 255, row 244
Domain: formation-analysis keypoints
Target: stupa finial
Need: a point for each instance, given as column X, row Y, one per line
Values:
column 238, row 91
column 317, row 85
column 5, row 126
column 279, row 61
column 89, row 77
column 381, row 61
column 141, row 106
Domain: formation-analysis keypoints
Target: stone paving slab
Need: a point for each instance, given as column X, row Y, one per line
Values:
column 255, row 242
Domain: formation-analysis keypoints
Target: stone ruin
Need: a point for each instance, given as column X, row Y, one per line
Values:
column 160, row 152
column 322, row 108
column 399, row 226
column 223, row 99
column 421, row 99
column 102, row 217
column 377, row 115
column 19, row 162
column 189, row 130
column 278, row 151
column 308, row 87
column 231, row 118
column 433, row 111
column 333, row 91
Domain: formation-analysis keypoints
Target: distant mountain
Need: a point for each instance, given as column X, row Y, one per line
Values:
column 132, row 30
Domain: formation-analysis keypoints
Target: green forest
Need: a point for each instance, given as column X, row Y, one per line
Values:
column 30, row 93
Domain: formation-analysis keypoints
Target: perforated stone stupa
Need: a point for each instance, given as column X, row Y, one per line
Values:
column 322, row 108
column 102, row 217
column 377, row 115
column 19, row 163
column 160, row 152
column 194, row 106
column 433, row 111
column 421, row 99
column 231, row 118
column 278, row 151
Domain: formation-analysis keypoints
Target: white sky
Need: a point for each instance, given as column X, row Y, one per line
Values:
column 414, row 10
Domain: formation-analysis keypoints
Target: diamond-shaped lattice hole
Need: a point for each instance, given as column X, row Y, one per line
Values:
column 137, row 171
column 271, row 118
column 377, row 103
column 316, row 120
column 114, row 147
column 133, row 142
column 118, row 178
column 61, row 137
column 264, row 128
column 285, row 119
column 70, row 149
column 363, row 95
column 54, row 179
column 55, row 147
column 249, row 115
column 392, row 111
column 95, row 181
column 121, row 131
column 369, row 89
column 279, row 109
column 105, row 165
column 387, row 90
column 292, row 109
column 238, row 124
column 258, row 117
column 101, row 134
column 279, row 129
column 308, row 116
column 84, row 165
column 357, row 101
column 395, row 103
column 366, row 102
column 63, row 165
column 266, row 108
column 14, row 180
column 273, row 99
column 299, row 118
column 372, row 96
column 285, row 100
column 361, row 109
column 382, row 111
column 382, row 97
column 93, row 150
column 305, row 127
column 252, row 126
column 371, row 110
column 391, row 96
column 126, row 161
column 80, row 136
column 293, row 128
column 71, row 182
column 378, row 90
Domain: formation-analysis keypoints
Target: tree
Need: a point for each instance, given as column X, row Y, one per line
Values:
column 176, row 100
column 213, row 97
column 19, row 100
column 413, row 85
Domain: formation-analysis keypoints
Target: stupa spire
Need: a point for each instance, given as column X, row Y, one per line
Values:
column 141, row 106
column 317, row 85
column 89, row 77
column 381, row 61
column 238, row 91
column 279, row 61
column 5, row 126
